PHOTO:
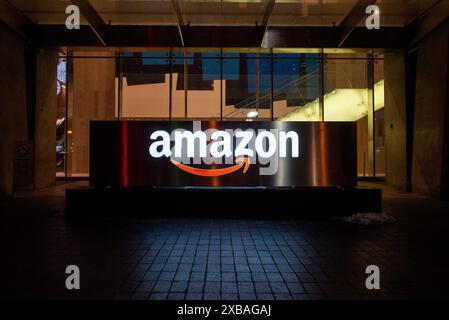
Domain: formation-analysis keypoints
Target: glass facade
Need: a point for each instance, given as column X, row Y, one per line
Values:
column 145, row 84
column 296, row 86
column 347, row 98
column 224, row 84
column 61, row 91
column 246, row 86
column 379, row 116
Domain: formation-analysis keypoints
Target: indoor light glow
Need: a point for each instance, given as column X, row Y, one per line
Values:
column 340, row 105
column 252, row 114
column 61, row 76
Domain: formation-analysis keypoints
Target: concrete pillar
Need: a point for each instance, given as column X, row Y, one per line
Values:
column 45, row 117
column 395, row 120
column 430, row 112
column 13, row 115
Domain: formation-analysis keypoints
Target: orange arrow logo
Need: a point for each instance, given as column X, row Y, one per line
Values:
column 240, row 163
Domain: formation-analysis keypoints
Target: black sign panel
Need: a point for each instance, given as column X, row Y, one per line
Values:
column 259, row 153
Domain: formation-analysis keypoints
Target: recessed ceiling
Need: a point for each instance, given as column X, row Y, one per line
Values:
column 225, row 12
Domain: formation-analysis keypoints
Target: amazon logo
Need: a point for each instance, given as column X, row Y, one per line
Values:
column 227, row 151
column 240, row 163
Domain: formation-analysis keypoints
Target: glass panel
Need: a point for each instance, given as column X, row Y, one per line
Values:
column 346, row 98
column 61, row 90
column 145, row 85
column 91, row 93
column 135, row 12
column 243, row 78
column 222, row 12
column 310, row 12
column 379, row 119
column 346, row 53
column 246, row 86
column 45, row 11
column 400, row 12
column 179, row 95
column 203, row 84
column 296, row 87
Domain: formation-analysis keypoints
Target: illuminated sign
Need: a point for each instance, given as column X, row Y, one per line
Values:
column 222, row 153
column 228, row 146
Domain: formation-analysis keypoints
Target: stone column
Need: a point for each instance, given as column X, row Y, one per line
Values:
column 13, row 109
column 430, row 112
column 45, row 117
column 395, row 120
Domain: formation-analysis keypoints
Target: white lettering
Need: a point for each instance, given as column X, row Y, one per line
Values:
column 293, row 136
column 272, row 145
column 241, row 149
column 264, row 147
column 220, row 148
column 190, row 139
column 165, row 144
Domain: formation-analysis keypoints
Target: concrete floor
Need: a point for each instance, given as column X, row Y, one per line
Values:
column 222, row 259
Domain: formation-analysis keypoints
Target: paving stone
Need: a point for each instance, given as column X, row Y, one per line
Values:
column 158, row 296
column 245, row 287
column 279, row 287
column 265, row 296
column 229, row 296
column 145, row 286
column 179, row 286
column 262, row 287
column 295, row 287
column 244, row 276
column 212, row 287
column 182, row 276
column 162, row 286
column 229, row 287
column 193, row 296
column 197, row 276
column 246, row 296
column 196, row 286
column 175, row 296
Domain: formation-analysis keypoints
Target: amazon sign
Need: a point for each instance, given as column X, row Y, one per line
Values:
column 222, row 153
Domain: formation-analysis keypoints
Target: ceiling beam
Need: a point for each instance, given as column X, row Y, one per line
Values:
column 221, row 36
column 328, row 37
column 352, row 19
column 94, row 19
column 430, row 20
column 15, row 19
column 180, row 20
column 120, row 36
column 216, row 37
column 268, row 8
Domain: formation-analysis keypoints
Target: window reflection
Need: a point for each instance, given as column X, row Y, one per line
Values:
column 145, row 85
column 296, row 87
column 247, row 86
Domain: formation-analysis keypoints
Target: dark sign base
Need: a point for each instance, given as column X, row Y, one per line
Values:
column 223, row 202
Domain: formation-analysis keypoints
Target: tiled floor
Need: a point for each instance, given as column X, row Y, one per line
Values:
column 223, row 259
